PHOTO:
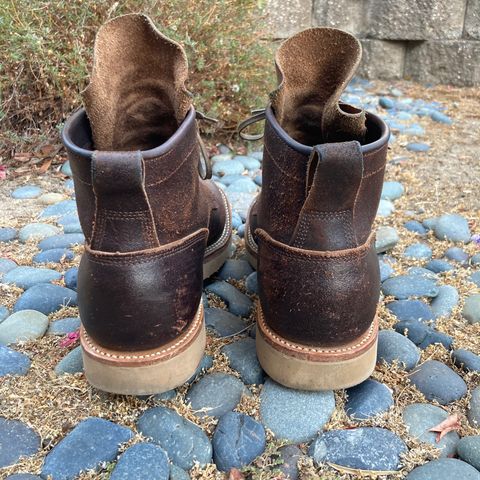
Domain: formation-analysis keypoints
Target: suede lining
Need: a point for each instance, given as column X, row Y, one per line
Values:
column 137, row 96
column 313, row 69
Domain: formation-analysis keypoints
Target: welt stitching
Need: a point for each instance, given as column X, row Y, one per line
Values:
column 197, row 319
column 364, row 339
column 226, row 229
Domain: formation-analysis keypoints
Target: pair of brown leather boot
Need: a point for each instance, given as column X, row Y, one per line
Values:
column 156, row 225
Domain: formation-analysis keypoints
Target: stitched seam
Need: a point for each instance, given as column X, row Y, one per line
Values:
column 95, row 225
column 76, row 178
column 284, row 146
column 251, row 240
column 147, row 229
column 226, row 229
column 349, row 231
column 187, row 157
column 101, row 225
column 335, row 214
column 301, row 348
column 163, row 157
column 167, row 155
column 147, row 257
column 308, row 258
column 272, row 158
column 360, row 252
column 302, row 232
column 374, row 172
column 158, row 353
column 144, row 216
column 305, row 223
column 125, row 215
column 354, row 235
column 152, row 226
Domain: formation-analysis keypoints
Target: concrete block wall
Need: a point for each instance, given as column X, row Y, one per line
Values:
column 430, row 41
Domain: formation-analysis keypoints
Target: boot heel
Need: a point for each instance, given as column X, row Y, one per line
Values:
column 308, row 368
column 145, row 372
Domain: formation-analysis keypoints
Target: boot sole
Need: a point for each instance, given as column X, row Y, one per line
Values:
column 218, row 252
column 308, row 368
column 145, row 372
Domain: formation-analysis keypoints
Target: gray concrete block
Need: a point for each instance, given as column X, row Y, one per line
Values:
column 416, row 20
column 382, row 59
column 286, row 17
column 472, row 20
column 349, row 15
column 454, row 62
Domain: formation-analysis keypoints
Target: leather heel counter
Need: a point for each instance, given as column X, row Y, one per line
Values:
column 140, row 300
column 317, row 298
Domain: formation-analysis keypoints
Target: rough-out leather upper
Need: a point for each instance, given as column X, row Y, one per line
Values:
column 312, row 222
column 148, row 218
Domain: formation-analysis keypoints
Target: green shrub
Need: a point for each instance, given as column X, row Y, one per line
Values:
column 46, row 53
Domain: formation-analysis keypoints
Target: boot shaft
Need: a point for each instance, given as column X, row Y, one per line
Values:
column 151, row 222
column 177, row 198
column 311, row 226
column 299, row 182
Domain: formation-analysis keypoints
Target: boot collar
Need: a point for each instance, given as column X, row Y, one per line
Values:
column 378, row 133
column 77, row 136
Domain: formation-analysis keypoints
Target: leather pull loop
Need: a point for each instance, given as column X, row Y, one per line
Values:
column 258, row 116
column 123, row 218
column 334, row 175
column 117, row 171
column 337, row 176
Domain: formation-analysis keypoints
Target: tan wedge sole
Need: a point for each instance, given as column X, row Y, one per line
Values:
column 214, row 261
column 145, row 372
column 308, row 368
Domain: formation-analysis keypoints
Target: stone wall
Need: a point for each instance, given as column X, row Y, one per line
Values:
column 431, row 41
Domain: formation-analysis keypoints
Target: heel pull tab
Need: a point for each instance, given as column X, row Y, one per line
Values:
column 334, row 175
column 123, row 218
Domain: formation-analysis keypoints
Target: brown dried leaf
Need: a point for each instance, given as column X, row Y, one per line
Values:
column 45, row 166
column 48, row 150
column 451, row 423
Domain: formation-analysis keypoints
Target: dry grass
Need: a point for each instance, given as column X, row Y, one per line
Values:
column 46, row 50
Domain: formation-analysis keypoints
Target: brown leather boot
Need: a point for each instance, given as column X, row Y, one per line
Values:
column 310, row 229
column 154, row 228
